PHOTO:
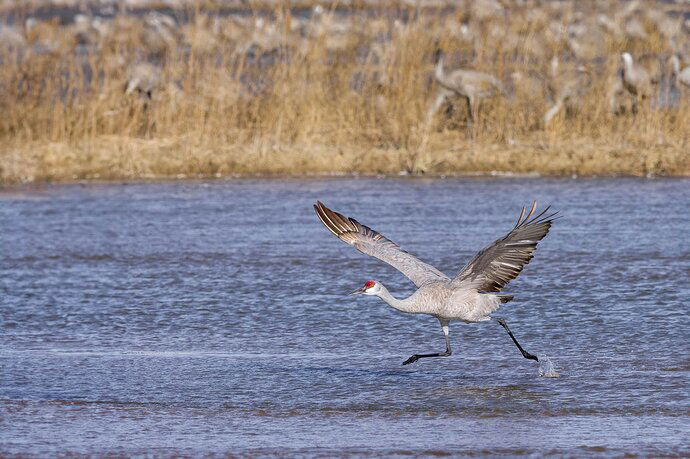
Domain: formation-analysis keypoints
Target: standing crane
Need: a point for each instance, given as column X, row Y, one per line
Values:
column 471, row 296
column 568, row 87
column 678, row 75
column 144, row 79
column 468, row 84
column 635, row 79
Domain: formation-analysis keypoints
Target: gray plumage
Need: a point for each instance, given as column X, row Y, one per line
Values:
column 636, row 79
column 678, row 75
column 372, row 243
column 470, row 296
column 470, row 85
column 493, row 267
column 144, row 78
column 568, row 87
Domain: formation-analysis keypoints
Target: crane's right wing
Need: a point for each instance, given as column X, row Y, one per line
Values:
column 499, row 263
column 373, row 243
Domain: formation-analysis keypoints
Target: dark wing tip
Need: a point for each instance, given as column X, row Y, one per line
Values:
column 530, row 218
column 549, row 219
column 522, row 214
column 323, row 213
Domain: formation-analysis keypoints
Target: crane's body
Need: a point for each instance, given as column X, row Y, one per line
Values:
column 568, row 87
column 471, row 296
column 636, row 79
column 471, row 85
column 679, row 75
column 441, row 300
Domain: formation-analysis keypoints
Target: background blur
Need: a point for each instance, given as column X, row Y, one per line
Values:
column 104, row 89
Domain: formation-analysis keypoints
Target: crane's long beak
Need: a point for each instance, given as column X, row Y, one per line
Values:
column 359, row 291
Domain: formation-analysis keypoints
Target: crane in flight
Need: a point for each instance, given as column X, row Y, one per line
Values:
column 472, row 295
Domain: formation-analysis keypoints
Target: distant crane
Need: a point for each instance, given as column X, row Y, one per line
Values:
column 569, row 87
column 468, row 84
column 635, row 79
column 144, row 79
column 472, row 295
column 678, row 75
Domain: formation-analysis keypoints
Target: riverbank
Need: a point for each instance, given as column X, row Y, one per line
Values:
column 117, row 158
column 136, row 96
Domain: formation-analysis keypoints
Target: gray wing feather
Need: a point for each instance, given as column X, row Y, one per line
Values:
column 375, row 244
column 499, row 263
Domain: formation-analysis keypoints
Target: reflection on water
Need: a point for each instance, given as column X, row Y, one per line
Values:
column 184, row 318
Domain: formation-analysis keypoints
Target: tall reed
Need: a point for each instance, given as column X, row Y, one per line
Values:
column 340, row 93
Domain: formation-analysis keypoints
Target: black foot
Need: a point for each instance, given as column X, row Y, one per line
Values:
column 416, row 357
column 527, row 355
column 412, row 359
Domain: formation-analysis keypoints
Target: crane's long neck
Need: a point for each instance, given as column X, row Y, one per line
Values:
column 439, row 68
column 628, row 63
column 404, row 305
column 440, row 73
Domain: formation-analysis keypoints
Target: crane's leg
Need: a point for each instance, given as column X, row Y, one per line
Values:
column 553, row 111
column 414, row 358
column 525, row 354
column 470, row 110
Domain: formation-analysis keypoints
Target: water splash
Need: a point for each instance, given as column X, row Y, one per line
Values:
column 546, row 368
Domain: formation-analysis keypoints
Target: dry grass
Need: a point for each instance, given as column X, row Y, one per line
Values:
column 291, row 97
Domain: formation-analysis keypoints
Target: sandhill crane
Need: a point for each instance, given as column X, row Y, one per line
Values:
column 678, row 75
column 472, row 295
column 568, row 88
column 616, row 93
column 635, row 79
column 468, row 84
column 12, row 40
column 652, row 64
column 160, row 34
column 635, row 30
column 143, row 78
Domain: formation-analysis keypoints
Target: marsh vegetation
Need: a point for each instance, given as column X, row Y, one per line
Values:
column 280, row 90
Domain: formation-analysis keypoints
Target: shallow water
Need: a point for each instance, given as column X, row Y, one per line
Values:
column 189, row 318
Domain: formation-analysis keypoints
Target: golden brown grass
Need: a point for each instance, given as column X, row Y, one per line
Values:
column 316, row 100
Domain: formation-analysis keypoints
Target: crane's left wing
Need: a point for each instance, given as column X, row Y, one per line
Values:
column 499, row 263
column 375, row 244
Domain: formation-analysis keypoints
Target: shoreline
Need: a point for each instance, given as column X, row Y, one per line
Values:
column 40, row 186
column 113, row 158
column 333, row 175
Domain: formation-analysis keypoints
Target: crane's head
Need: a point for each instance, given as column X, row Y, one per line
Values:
column 627, row 58
column 370, row 288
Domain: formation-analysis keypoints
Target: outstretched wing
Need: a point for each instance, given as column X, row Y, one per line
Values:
column 496, row 265
column 373, row 243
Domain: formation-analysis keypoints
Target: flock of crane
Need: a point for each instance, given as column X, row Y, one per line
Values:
column 575, row 40
column 567, row 87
